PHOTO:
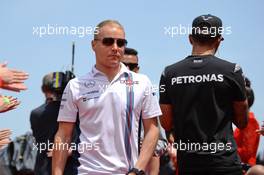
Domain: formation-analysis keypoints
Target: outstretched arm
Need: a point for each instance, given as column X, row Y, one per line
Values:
column 12, row 79
column 8, row 103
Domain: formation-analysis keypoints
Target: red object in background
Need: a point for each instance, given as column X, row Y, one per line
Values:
column 248, row 140
column 1, row 82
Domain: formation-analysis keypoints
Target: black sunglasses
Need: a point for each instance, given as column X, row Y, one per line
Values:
column 110, row 41
column 131, row 66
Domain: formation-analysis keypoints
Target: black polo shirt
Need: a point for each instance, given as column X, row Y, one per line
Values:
column 201, row 90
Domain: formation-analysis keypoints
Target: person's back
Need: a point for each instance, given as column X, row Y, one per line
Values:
column 43, row 117
column 44, row 125
column 203, row 95
column 204, row 118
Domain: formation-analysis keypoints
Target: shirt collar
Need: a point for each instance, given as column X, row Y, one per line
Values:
column 96, row 73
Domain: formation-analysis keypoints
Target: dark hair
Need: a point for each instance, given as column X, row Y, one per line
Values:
column 205, row 40
column 130, row 51
column 248, row 82
column 206, row 29
column 249, row 92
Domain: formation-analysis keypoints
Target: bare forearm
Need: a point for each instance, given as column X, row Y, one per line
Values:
column 148, row 147
column 60, row 154
column 240, row 114
column 166, row 118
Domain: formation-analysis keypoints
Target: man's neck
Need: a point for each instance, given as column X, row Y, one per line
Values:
column 50, row 96
column 109, row 72
column 203, row 51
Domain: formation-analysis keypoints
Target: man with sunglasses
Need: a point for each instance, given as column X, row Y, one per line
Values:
column 107, row 103
column 130, row 59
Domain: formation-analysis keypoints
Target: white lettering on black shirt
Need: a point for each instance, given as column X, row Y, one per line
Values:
column 197, row 79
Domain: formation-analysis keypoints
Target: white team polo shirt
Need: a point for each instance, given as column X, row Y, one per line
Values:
column 109, row 118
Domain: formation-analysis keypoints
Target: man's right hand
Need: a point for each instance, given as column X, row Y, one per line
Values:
column 12, row 79
column 5, row 137
column 261, row 130
column 8, row 103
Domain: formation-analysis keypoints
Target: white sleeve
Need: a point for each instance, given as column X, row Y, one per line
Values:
column 150, row 106
column 68, row 108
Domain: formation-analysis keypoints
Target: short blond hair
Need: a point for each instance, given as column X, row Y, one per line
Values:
column 106, row 22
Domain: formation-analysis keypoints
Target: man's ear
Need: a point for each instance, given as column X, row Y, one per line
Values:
column 220, row 39
column 191, row 39
column 93, row 44
column 218, row 42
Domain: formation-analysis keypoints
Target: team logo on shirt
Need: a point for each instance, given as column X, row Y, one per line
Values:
column 90, row 95
column 197, row 79
column 89, row 84
column 129, row 82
